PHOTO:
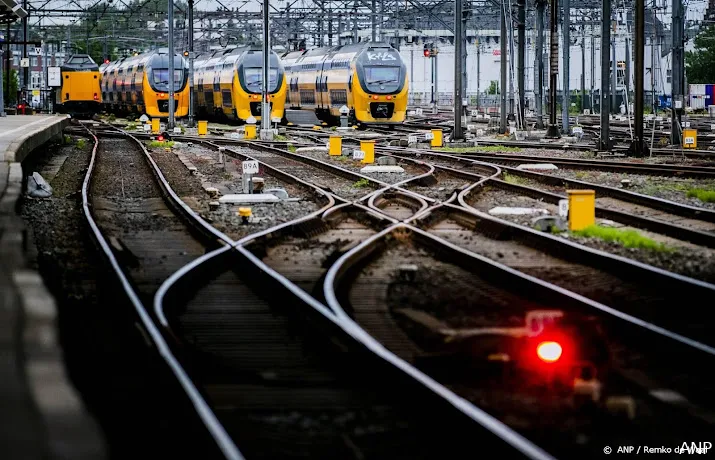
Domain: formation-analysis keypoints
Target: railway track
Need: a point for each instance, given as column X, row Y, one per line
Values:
column 291, row 385
column 350, row 267
column 105, row 218
column 687, row 223
column 445, row 309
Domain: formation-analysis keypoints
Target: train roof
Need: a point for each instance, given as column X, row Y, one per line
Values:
column 142, row 58
column 223, row 54
column 79, row 62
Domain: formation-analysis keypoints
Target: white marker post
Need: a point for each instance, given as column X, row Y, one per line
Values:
column 249, row 169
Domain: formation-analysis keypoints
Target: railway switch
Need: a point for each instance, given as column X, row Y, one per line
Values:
column 690, row 139
column 368, row 146
column 250, row 128
column 203, row 127
column 437, row 139
column 582, row 209
column 245, row 214
column 336, row 145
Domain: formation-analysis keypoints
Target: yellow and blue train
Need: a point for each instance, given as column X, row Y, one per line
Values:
column 229, row 83
column 79, row 95
column 140, row 84
column 369, row 78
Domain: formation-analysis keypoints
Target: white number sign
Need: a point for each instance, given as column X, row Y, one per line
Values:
column 689, row 140
column 563, row 208
column 412, row 139
column 54, row 76
column 250, row 167
column 418, row 111
column 577, row 130
column 429, row 136
column 25, row 62
column 358, row 155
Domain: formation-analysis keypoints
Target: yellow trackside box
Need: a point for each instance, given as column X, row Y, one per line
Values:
column 336, row 145
column 582, row 209
column 203, row 127
column 250, row 131
column 369, row 148
column 155, row 125
column 436, row 138
column 690, row 139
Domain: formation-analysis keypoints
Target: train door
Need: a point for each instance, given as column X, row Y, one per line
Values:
column 321, row 85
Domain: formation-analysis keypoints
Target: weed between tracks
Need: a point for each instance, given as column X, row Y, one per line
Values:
column 627, row 238
column 361, row 183
column 706, row 196
column 158, row 144
column 511, row 179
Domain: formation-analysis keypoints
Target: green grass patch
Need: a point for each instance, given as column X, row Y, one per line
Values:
column 361, row 183
column 81, row 143
column 66, row 139
column 158, row 144
column 626, row 238
column 706, row 196
column 279, row 137
column 512, row 179
column 131, row 126
column 292, row 148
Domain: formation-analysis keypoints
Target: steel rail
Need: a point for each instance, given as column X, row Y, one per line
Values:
column 657, row 226
column 585, row 164
column 214, row 427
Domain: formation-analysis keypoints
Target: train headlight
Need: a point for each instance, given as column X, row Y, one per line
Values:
column 389, row 98
column 375, row 97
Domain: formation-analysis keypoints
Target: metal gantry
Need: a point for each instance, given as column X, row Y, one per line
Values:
column 136, row 25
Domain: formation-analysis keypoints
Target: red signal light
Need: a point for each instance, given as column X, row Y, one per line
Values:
column 160, row 138
column 106, row 61
column 19, row 106
column 549, row 351
column 426, row 52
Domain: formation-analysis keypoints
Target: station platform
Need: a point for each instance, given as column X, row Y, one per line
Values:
column 42, row 416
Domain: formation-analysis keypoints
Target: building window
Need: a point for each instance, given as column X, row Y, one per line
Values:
column 16, row 60
column 669, row 75
column 35, row 61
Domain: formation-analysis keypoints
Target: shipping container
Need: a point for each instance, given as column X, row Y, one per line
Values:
column 701, row 95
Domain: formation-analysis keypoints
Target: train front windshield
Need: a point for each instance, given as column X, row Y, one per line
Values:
column 254, row 79
column 382, row 79
column 160, row 79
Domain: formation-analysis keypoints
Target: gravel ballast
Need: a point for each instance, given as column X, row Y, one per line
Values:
column 680, row 257
column 211, row 174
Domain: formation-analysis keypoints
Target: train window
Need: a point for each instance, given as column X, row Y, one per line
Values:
column 254, row 78
column 226, row 95
column 338, row 97
column 380, row 75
